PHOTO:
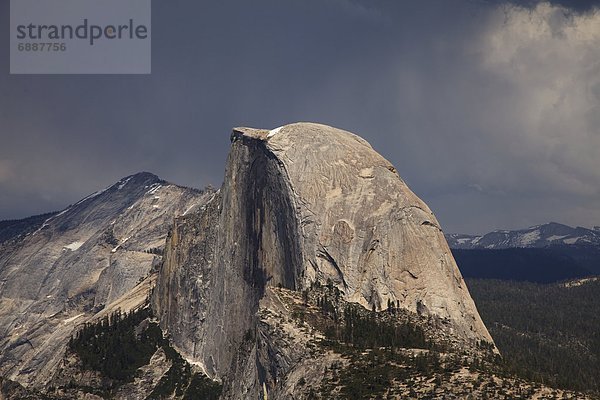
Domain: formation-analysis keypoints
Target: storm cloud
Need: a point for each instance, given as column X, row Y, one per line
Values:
column 490, row 110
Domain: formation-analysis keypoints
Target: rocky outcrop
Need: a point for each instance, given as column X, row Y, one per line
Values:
column 90, row 257
column 301, row 204
column 219, row 260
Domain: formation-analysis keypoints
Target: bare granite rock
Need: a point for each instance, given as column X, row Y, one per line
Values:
column 363, row 228
column 301, row 204
column 86, row 258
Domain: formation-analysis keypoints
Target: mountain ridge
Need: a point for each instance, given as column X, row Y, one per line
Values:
column 552, row 234
column 64, row 269
column 543, row 253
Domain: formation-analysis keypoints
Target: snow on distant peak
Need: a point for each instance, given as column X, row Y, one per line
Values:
column 95, row 194
column 547, row 235
column 529, row 238
column 91, row 196
column 153, row 188
column 122, row 183
column 46, row 222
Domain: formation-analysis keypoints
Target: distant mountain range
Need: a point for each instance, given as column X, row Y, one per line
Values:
column 544, row 253
column 541, row 236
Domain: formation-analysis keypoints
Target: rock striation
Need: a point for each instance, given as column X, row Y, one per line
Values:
column 301, row 204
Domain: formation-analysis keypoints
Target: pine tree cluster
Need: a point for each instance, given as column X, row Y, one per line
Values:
column 111, row 346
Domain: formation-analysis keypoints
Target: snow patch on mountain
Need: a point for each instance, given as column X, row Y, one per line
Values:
column 529, row 237
column 66, row 321
column 548, row 235
column 123, row 183
column 154, row 188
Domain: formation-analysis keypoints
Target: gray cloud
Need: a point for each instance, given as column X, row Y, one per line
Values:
column 578, row 6
column 488, row 109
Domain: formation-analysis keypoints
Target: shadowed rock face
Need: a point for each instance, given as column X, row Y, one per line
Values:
column 300, row 204
column 219, row 260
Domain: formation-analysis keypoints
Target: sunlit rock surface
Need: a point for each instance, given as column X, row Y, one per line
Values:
column 87, row 258
column 300, row 204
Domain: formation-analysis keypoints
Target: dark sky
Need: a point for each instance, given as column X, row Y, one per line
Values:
column 490, row 110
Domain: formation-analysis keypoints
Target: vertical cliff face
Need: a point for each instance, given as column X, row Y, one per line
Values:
column 219, row 260
column 301, row 204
